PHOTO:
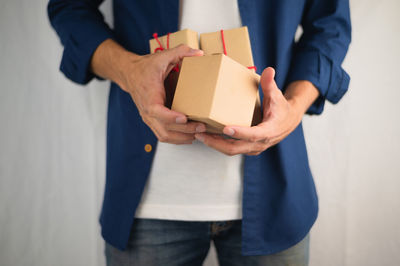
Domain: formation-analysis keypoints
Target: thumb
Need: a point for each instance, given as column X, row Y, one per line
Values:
column 175, row 55
column 178, row 53
column 267, row 81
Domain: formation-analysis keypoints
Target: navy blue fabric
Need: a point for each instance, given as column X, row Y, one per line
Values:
column 280, row 203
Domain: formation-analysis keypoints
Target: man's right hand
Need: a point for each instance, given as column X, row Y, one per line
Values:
column 143, row 78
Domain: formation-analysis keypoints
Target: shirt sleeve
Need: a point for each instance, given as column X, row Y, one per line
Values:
column 81, row 28
column 321, row 50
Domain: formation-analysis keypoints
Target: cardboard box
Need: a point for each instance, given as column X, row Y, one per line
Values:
column 217, row 91
column 186, row 36
column 237, row 44
column 237, row 47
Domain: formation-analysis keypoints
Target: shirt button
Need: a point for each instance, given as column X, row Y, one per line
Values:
column 148, row 148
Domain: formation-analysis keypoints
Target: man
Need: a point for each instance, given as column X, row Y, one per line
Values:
column 165, row 202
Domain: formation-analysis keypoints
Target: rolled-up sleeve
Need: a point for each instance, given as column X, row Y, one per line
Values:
column 321, row 50
column 81, row 28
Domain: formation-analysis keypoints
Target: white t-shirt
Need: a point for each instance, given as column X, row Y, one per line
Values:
column 194, row 182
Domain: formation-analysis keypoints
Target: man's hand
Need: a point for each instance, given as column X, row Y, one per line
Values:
column 143, row 78
column 281, row 115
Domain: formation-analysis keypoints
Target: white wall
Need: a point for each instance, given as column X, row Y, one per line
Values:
column 355, row 150
column 52, row 146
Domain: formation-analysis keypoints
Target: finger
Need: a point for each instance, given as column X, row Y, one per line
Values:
column 252, row 134
column 181, row 51
column 166, row 115
column 272, row 94
column 253, row 153
column 267, row 81
column 172, row 137
column 190, row 127
column 228, row 147
column 176, row 54
column 169, row 137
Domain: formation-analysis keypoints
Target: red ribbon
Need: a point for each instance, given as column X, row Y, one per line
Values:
column 161, row 48
column 225, row 53
column 223, row 42
column 155, row 36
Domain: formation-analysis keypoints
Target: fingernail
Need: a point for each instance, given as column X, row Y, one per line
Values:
column 195, row 51
column 200, row 128
column 199, row 137
column 180, row 120
column 229, row 131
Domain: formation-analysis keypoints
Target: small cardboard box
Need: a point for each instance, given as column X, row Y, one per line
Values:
column 237, row 47
column 217, row 91
column 186, row 36
column 237, row 44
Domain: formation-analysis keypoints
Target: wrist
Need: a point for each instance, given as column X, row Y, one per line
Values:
column 300, row 95
column 111, row 61
column 296, row 108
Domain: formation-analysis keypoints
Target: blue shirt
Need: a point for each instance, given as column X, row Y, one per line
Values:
column 280, row 202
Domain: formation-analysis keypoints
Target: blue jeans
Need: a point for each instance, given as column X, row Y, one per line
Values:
column 156, row 242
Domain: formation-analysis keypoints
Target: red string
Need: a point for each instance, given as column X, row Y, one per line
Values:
column 223, row 41
column 161, row 48
column 176, row 68
column 155, row 36
column 224, row 46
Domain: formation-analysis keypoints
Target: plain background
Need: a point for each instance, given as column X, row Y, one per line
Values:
column 52, row 148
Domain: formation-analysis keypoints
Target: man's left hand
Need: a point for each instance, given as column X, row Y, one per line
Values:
column 281, row 115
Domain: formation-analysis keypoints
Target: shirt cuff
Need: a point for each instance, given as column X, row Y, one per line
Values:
column 78, row 51
column 328, row 77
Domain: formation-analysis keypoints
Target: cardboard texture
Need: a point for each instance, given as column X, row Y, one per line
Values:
column 217, row 91
column 238, row 47
column 237, row 43
column 186, row 36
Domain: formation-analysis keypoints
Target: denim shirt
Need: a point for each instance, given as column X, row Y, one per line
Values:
column 280, row 202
